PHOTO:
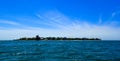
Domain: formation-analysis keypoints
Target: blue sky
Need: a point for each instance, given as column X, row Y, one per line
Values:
column 60, row 18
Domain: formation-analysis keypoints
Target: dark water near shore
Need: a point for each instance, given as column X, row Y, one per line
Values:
column 60, row 50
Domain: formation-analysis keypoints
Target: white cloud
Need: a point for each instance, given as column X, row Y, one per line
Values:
column 54, row 18
column 115, row 13
column 9, row 22
column 103, row 32
column 66, row 27
column 100, row 19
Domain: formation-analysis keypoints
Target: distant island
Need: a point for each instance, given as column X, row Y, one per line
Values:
column 56, row 38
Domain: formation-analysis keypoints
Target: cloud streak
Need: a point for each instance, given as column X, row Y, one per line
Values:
column 115, row 13
column 9, row 22
column 71, row 31
column 64, row 27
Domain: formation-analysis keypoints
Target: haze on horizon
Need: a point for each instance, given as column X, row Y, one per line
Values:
column 60, row 18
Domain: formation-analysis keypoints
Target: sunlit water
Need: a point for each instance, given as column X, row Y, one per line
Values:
column 59, row 50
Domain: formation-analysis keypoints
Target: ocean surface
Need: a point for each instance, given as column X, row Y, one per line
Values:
column 60, row 50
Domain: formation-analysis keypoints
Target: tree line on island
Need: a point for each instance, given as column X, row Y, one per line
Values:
column 56, row 38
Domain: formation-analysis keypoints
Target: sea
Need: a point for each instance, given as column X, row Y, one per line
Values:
column 62, row 50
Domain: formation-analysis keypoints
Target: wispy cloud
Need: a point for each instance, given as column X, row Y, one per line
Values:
column 100, row 19
column 9, row 22
column 14, row 25
column 103, row 32
column 55, row 18
column 65, row 27
column 115, row 13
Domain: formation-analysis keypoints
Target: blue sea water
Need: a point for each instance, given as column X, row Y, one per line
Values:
column 60, row 50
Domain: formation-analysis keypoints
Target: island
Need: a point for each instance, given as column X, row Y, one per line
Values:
column 38, row 38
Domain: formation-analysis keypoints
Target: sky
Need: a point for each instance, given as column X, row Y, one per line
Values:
column 60, row 18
